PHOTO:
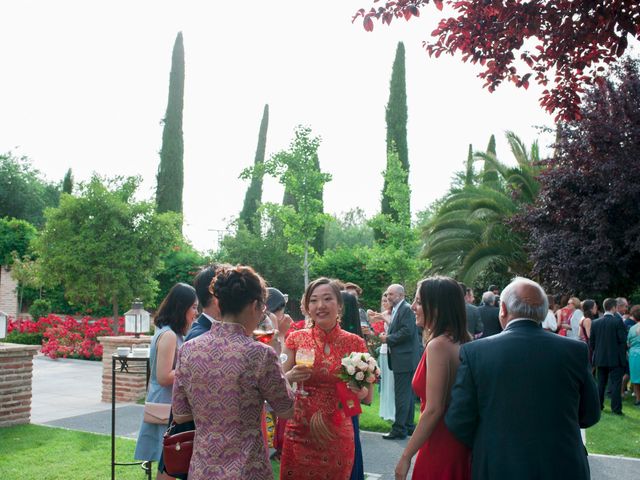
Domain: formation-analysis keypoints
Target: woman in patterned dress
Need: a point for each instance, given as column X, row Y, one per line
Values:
column 223, row 378
column 319, row 440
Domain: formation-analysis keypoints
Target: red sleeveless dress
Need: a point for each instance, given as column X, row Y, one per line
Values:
column 442, row 457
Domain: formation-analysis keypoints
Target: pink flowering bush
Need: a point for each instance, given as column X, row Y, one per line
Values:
column 67, row 337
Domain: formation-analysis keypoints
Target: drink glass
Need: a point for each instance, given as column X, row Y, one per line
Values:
column 306, row 357
column 264, row 331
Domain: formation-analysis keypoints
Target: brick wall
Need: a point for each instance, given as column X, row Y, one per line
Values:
column 130, row 387
column 16, row 373
column 8, row 293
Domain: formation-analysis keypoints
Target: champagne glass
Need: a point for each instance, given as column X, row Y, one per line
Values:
column 264, row 331
column 305, row 357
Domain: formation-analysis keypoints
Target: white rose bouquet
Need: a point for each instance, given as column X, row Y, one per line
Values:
column 360, row 369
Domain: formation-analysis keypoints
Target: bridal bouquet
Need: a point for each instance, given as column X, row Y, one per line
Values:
column 360, row 369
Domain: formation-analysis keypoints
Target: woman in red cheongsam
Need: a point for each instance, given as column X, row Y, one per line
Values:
column 318, row 440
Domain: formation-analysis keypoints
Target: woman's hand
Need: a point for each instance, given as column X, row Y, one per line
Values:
column 402, row 468
column 362, row 393
column 299, row 373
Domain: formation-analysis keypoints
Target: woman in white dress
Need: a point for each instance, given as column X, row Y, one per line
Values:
column 387, row 397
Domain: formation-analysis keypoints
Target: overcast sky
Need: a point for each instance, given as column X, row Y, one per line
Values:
column 84, row 86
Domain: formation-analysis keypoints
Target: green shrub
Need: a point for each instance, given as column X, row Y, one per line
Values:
column 40, row 308
column 24, row 338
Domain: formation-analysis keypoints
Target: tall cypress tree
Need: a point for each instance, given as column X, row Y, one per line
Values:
column 396, row 117
column 67, row 182
column 171, row 170
column 253, row 197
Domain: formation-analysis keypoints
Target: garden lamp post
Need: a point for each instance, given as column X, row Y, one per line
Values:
column 3, row 325
column 136, row 320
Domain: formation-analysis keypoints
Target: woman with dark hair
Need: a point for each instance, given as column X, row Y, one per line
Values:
column 319, row 440
column 223, row 378
column 350, row 322
column 440, row 309
column 590, row 313
column 173, row 320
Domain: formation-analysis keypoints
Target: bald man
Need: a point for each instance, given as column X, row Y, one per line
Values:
column 521, row 396
column 403, row 354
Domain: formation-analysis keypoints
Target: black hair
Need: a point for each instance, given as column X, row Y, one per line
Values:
column 237, row 287
column 350, row 314
column 202, row 281
column 173, row 309
column 443, row 307
column 587, row 306
column 336, row 287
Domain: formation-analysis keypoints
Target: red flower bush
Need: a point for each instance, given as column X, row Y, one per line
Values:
column 67, row 337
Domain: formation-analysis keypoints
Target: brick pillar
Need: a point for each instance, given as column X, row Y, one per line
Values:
column 8, row 293
column 16, row 372
column 130, row 387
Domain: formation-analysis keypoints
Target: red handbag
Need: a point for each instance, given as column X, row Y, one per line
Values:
column 176, row 451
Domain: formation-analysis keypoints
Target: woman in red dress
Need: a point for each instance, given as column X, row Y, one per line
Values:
column 439, row 308
column 318, row 440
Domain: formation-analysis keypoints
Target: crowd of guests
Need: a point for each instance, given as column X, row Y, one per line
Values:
column 488, row 377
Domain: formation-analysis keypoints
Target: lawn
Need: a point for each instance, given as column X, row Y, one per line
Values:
column 31, row 452
column 612, row 435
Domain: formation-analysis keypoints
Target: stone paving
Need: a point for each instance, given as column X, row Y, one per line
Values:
column 66, row 393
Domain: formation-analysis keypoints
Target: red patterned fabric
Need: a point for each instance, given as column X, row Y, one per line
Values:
column 441, row 456
column 302, row 456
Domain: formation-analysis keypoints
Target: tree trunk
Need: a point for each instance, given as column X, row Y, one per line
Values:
column 114, row 303
column 306, row 263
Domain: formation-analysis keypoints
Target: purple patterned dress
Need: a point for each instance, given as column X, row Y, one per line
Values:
column 223, row 378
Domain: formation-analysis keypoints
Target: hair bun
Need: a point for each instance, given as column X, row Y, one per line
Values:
column 237, row 287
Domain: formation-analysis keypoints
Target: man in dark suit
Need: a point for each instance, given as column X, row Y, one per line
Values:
column 489, row 315
column 404, row 348
column 608, row 341
column 521, row 397
column 474, row 322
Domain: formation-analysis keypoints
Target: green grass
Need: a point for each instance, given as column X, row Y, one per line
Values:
column 371, row 421
column 615, row 435
column 31, row 452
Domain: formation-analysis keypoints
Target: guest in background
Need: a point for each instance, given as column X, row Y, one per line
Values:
column 223, row 380
column 590, row 313
column 350, row 321
column 173, row 319
column 356, row 291
column 387, row 397
column 608, row 340
column 633, row 342
column 474, row 321
column 404, row 350
column 489, row 315
column 550, row 324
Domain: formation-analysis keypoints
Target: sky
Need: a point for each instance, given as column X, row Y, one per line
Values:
column 85, row 84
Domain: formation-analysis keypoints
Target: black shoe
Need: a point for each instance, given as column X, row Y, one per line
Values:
column 620, row 414
column 410, row 431
column 394, row 436
column 637, row 404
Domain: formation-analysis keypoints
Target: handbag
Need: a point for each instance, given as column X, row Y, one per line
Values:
column 157, row 413
column 176, row 451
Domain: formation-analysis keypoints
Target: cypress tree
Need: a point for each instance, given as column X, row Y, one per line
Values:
column 171, row 170
column 253, row 197
column 396, row 117
column 67, row 183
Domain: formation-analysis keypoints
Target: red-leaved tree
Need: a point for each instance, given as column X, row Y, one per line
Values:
column 583, row 230
column 563, row 44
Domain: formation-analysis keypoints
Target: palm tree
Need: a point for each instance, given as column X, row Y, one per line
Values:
column 469, row 235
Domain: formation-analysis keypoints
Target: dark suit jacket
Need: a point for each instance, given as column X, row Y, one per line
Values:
column 489, row 316
column 403, row 340
column 505, row 404
column 474, row 322
column 200, row 326
column 608, row 341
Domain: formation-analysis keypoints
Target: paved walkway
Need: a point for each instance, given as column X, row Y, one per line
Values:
column 66, row 393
